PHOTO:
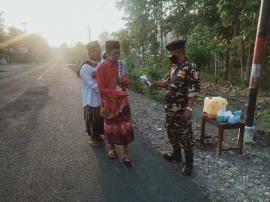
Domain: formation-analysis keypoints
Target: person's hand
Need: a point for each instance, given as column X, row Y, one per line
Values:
column 188, row 114
column 145, row 80
column 118, row 80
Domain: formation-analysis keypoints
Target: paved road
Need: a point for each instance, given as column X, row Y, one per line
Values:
column 44, row 151
column 16, row 78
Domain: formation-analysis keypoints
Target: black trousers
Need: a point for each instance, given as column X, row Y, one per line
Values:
column 94, row 123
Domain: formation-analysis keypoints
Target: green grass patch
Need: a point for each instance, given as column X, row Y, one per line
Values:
column 264, row 121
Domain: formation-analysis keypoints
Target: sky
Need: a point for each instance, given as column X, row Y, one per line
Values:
column 63, row 21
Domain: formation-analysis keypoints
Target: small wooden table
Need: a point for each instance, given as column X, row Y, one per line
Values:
column 221, row 127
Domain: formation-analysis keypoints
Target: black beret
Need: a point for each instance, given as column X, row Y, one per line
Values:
column 92, row 45
column 112, row 44
column 177, row 44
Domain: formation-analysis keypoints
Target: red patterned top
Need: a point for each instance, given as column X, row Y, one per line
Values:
column 112, row 89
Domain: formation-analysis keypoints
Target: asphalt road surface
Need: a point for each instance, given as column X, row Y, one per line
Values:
column 44, row 150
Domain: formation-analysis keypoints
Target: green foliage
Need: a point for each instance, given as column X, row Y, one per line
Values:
column 220, row 33
column 123, row 36
column 199, row 46
column 2, row 30
column 145, row 25
column 134, row 74
column 264, row 120
column 154, row 71
column 77, row 53
column 212, row 78
column 103, row 37
column 37, row 46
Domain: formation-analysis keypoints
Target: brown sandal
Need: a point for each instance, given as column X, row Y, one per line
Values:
column 126, row 160
column 111, row 154
column 95, row 143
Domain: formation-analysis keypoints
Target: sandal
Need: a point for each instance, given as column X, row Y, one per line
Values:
column 126, row 160
column 111, row 154
column 101, row 139
column 94, row 143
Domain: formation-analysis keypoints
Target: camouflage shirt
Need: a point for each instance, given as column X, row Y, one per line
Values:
column 183, row 82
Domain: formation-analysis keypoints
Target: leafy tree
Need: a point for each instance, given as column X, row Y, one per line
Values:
column 220, row 33
column 78, row 53
column 2, row 27
column 124, row 38
column 103, row 37
column 38, row 47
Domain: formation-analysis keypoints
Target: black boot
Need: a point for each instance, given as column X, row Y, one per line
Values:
column 187, row 170
column 174, row 156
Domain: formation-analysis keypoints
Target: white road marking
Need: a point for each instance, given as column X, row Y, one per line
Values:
column 39, row 77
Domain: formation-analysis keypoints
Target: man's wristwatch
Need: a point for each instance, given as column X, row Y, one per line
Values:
column 189, row 108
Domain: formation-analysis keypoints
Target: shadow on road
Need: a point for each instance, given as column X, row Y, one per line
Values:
column 149, row 179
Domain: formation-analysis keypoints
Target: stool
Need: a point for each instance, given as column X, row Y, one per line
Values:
column 221, row 127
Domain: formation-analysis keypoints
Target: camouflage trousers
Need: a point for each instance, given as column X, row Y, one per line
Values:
column 179, row 131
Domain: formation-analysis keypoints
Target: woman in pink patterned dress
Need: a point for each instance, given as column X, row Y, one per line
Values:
column 113, row 82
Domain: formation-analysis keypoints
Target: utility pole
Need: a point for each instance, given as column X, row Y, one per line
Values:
column 89, row 32
column 24, row 26
column 258, row 57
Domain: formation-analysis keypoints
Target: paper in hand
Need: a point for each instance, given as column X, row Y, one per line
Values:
column 145, row 80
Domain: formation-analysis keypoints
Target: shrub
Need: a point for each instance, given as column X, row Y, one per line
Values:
column 264, row 121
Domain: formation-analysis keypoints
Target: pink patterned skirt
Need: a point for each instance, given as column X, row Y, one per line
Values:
column 119, row 130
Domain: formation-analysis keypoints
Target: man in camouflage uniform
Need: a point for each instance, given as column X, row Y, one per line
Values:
column 182, row 84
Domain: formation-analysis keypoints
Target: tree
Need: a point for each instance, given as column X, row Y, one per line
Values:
column 14, row 32
column 103, row 37
column 146, row 26
column 78, row 53
column 37, row 46
column 220, row 33
column 123, row 37
column 2, row 27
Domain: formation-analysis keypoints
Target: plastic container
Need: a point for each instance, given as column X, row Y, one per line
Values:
column 235, row 117
column 213, row 104
column 227, row 115
column 221, row 115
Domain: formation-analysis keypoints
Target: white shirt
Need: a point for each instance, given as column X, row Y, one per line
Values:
column 90, row 92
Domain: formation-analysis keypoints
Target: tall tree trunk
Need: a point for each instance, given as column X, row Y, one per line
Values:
column 156, row 32
column 216, row 65
column 226, row 66
column 142, row 42
column 248, row 65
column 161, row 32
column 242, row 60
